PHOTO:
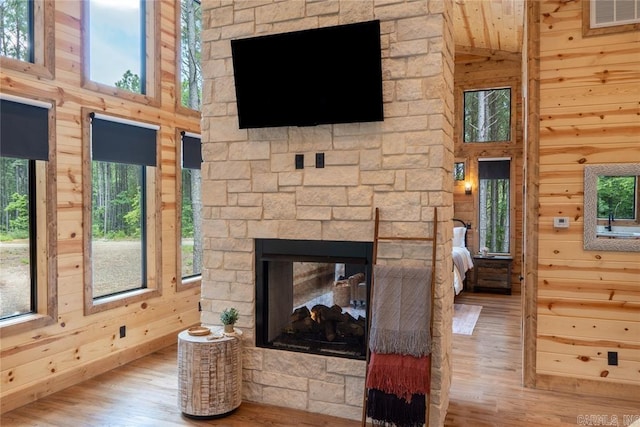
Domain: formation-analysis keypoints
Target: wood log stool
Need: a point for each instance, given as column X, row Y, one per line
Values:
column 209, row 374
column 341, row 293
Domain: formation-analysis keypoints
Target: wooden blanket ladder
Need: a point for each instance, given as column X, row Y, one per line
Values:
column 376, row 239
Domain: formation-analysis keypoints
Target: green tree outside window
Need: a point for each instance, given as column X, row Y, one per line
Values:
column 487, row 115
column 617, row 197
column 16, row 37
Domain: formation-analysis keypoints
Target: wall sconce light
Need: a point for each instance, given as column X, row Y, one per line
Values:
column 467, row 187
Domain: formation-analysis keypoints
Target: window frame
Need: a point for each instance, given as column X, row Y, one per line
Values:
column 43, row 64
column 178, row 82
column 196, row 280
column 512, row 114
column 588, row 31
column 153, row 227
column 152, row 58
column 46, row 298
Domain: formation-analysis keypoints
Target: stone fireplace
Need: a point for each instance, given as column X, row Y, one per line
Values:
column 252, row 189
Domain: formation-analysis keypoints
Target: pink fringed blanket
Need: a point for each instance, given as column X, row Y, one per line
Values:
column 400, row 375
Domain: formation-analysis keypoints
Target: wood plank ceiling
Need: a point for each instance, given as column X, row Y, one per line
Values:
column 488, row 25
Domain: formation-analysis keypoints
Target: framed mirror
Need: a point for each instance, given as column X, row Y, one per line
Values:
column 612, row 207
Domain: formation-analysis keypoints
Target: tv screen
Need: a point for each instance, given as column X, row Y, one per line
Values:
column 310, row 77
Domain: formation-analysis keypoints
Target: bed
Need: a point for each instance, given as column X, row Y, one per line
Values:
column 462, row 261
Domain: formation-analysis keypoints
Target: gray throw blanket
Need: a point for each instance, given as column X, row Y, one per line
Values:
column 401, row 310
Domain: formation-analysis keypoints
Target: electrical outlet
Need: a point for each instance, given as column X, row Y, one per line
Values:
column 299, row 161
column 612, row 358
column 123, row 331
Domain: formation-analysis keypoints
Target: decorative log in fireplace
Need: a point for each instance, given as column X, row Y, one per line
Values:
column 328, row 323
column 324, row 330
column 311, row 296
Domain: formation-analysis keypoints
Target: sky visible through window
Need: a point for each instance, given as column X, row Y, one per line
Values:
column 115, row 39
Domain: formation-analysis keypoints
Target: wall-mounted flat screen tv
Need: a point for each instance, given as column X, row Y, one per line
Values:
column 310, row 77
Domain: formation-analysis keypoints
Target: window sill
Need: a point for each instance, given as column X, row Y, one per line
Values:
column 145, row 99
column 181, row 109
column 189, row 283
column 36, row 70
column 479, row 143
column 108, row 303
column 27, row 322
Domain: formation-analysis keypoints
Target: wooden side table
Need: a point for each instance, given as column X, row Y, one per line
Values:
column 492, row 273
column 209, row 374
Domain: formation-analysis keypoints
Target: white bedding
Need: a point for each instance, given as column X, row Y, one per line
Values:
column 462, row 262
column 458, row 284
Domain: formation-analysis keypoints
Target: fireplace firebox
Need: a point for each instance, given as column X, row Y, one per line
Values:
column 312, row 296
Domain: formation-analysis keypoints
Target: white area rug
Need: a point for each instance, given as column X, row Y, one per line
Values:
column 465, row 317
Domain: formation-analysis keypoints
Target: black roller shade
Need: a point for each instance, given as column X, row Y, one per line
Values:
column 494, row 169
column 191, row 152
column 122, row 143
column 24, row 131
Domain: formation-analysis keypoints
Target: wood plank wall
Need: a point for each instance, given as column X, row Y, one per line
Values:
column 481, row 69
column 76, row 346
column 588, row 301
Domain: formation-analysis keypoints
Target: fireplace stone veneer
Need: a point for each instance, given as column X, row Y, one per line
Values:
column 251, row 188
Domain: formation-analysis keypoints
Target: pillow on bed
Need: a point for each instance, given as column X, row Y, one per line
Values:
column 458, row 236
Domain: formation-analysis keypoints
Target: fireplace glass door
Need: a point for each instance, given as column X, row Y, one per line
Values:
column 312, row 296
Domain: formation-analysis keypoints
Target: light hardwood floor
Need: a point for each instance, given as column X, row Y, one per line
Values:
column 486, row 389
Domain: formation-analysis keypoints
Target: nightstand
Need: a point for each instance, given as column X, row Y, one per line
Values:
column 492, row 273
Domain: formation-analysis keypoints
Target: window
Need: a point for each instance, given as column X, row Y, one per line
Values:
column 27, row 276
column 190, row 46
column 18, row 277
column 494, row 204
column 16, row 18
column 26, row 41
column 117, row 232
column 458, row 171
column 610, row 16
column 116, row 44
column 119, row 48
column 487, row 115
column 191, row 208
column 606, row 13
column 122, row 207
